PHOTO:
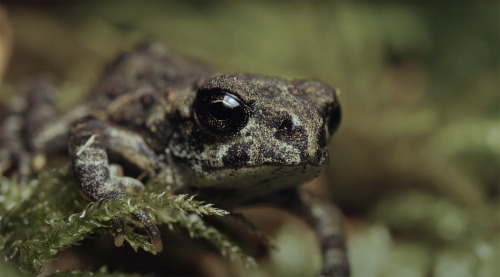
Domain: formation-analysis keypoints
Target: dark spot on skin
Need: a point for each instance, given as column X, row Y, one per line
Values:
column 195, row 142
column 293, row 135
column 277, row 159
column 319, row 155
column 168, row 78
column 147, row 101
column 97, row 173
column 271, row 119
column 287, row 125
column 114, row 91
column 322, row 138
column 286, row 130
column 202, row 136
column 198, row 147
column 121, row 118
column 142, row 73
column 237, row 155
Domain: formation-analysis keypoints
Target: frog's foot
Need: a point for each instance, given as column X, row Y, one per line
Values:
column 151, row 229
column 13, row 152
column 13, row 155
column 145, row 219
column 118, row 230
column 116, row 189
column 89, row 140
column 132, row 186
column 326, row 220
column 29, row 113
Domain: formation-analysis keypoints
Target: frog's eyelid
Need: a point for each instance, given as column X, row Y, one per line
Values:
column 247, row 104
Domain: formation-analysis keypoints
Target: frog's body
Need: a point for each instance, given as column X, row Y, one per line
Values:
column 252, row 137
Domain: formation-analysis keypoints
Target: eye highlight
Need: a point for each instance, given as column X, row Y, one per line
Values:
column 220, row 112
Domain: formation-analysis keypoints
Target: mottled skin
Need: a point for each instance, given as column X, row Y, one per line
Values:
column 237, row 139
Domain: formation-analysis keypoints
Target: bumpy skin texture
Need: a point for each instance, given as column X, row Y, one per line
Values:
column 237, row 139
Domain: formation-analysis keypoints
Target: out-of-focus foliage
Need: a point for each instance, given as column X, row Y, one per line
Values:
column 103, row 272
column 5, row 42
column 415, row 161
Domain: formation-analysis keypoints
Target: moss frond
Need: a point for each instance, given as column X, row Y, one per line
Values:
column 44, row 221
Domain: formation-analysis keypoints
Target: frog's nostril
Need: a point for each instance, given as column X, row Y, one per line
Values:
column 290, row 125
column 290, row 130
column 287, row 125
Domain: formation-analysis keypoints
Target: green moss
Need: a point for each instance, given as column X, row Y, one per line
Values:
column 51, row 216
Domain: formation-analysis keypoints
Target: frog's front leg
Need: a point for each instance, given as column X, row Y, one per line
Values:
column 90, row 140
column 327, row 222
column 27, row 114
column 13, row 152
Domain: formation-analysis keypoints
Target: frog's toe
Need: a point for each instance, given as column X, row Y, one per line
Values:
column 156, row 241
column 5, row 161
column 132, row 186
column 151, row 228
column 145, row 219
column 125, row 184
column 24, row 164
column 18, row 160
column 118, row 230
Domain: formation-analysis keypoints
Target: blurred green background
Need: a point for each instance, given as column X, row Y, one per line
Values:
column 415, row 163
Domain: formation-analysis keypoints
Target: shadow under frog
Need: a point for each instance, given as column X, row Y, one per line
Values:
column 236, row 139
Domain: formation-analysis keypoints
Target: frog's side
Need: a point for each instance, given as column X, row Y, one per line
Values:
column 241, row 138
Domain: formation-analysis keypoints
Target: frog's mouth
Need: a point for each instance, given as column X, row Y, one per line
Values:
column 262, row 163
column 262, row 179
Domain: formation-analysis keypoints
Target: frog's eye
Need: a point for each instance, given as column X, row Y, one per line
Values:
column 220, row 112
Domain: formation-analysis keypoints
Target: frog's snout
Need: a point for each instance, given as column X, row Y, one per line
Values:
column 290, row 131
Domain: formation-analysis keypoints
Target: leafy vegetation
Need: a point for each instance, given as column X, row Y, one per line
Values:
column 41, row 224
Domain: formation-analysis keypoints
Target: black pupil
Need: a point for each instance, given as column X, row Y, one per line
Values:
column 220, row 112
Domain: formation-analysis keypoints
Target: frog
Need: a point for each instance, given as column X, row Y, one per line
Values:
column 238, row 139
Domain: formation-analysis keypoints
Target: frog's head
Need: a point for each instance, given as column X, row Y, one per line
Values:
column 256, row 131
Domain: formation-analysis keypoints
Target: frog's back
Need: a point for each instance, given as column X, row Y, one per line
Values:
column 150, row 67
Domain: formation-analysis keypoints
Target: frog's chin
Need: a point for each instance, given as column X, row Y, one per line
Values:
column 260, row 179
